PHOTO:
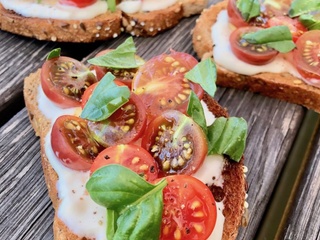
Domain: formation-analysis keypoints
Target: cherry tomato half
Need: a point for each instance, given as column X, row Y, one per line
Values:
column 131, row 156
column 161, row 85
column 307, row 56
column 189, row 210
column 176, row 142
column 235, row 17
column 256, row 54
column 123, row 75
column 125, row 125
column 295, row 26
column 64, row 80
column 72, row 143
column 77, row 3
column 275, row 7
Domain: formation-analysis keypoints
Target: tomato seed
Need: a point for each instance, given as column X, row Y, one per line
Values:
column 177, row 234
column 135, row 160
column 198, row 227
column 199, row 214
column 195, row 204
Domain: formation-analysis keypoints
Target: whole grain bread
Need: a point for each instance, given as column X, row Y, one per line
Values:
column 282, row 86
column 234, row 182
column 102, row 27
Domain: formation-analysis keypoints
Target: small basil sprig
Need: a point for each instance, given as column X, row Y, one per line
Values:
column 121, row 57
column 299, row 7
column 248, row 8
column 277, row 37
column 54, row 53
column 205, row 74
column 225, row 135
column 134, row 206
column 106, row 98
column 111, row 5
column 311, row 21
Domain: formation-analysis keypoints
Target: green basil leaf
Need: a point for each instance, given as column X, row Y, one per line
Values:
column 139, row 221
column 311, row 21
column 111, row 5
column 278, row 37
column 106, row 98
column 227, row 136
column 195, row 111
column 249, row 9
column 54, row 53
column 112, row 217
column 205, row 74
column 299, row 7
column 123, row 57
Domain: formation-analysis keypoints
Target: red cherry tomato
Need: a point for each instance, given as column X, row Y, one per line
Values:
column 273, row 8
column 64, row 80
column 235, row 17
column 176, row 142
column 189, row 210
column 306, row 56
column 123, row 75
column 125, row 125
column 256, row 54
column 295, row 26
column 131, row 156
column 72, row 144
column 161, row 85
column 77, row 3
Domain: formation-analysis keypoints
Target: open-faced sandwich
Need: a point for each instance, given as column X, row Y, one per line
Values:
column 92, row 20
column 269, row 47
column 145, row 152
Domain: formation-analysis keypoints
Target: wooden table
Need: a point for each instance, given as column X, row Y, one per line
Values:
column 282, row 154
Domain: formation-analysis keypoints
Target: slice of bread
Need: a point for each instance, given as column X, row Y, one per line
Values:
column 233, row 192
column 102, row 27
column 282, row 86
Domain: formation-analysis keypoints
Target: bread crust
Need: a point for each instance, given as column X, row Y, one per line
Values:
column 233, row 175
column 282, row 86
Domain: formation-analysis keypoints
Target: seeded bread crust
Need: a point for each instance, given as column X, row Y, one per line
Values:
column 234, row 182
column 282, row 86
column 102, row 27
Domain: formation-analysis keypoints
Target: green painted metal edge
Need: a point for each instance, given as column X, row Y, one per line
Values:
column 273, row 222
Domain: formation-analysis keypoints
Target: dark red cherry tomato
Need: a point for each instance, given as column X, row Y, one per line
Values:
column 77, row 3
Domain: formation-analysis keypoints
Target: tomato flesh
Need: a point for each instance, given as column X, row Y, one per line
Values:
column 189, row 210
column 72, row 143
column 176, row 142
column 306, row 56
column 125, row 125
column 161, row 85
column 64, row 80
column 256, row 54
column 77, row 3
column 131, row 156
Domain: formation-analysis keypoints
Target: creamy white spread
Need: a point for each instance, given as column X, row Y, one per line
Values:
column 134, row 6
column 79, row 212
column 52, row 9
column 224, row 56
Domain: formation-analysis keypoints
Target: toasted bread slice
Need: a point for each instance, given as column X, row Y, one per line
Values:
column 192, row 7
column 233, row 173
column 282, row 86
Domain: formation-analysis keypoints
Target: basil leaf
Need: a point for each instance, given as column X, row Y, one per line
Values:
column 249, row 9
column 195, row 111
column 106, row 98
column 299, row 7
column 278, row 38
column 54, row 53
column 123, row 57
column 111, row 5
column 139, row 221
column 205, row 74
column 112, row 217
column 311, row 21
column 227, row 136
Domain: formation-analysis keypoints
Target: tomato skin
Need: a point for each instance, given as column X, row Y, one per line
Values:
column 77, row 3
column 161, row 85
column 72, row 144
column 64, row 80
column 125, row 125
column 189, row 209
column 245, row 53
column 176, row 142
column 131, row 156
column 295, row 26
column 306, row 56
